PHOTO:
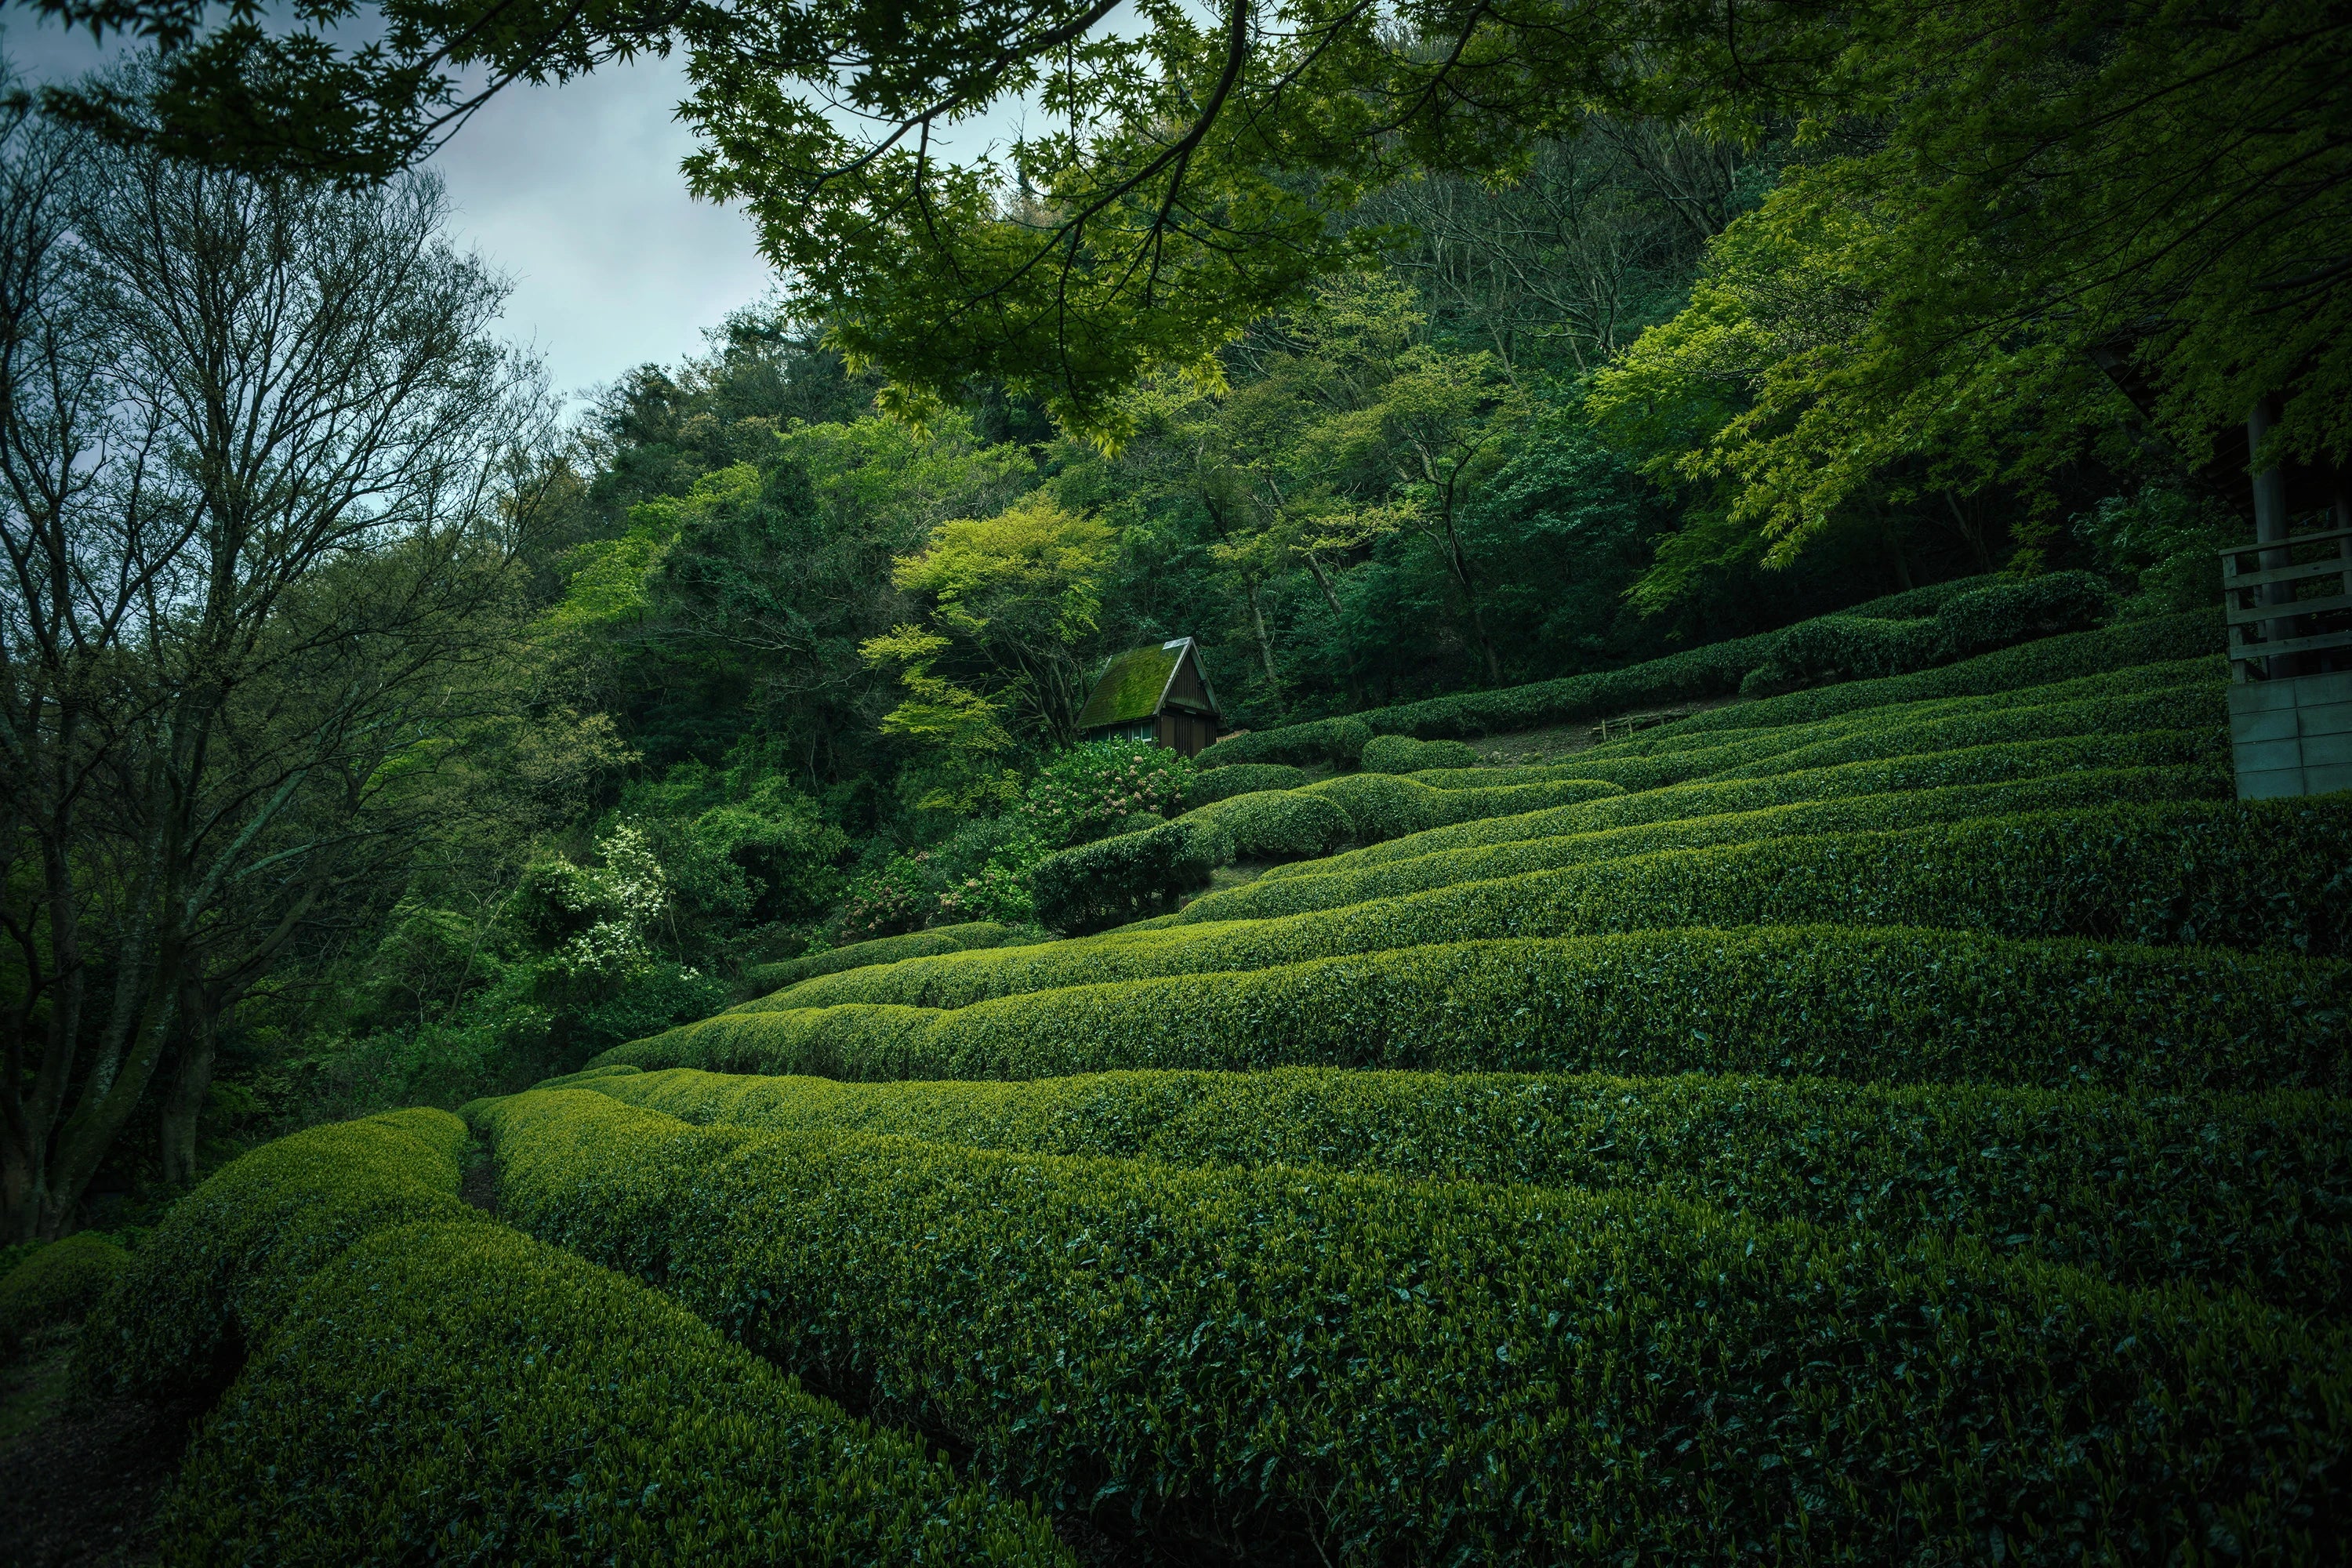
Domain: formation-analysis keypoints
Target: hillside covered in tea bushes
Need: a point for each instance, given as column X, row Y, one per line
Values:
column 1908, row 1119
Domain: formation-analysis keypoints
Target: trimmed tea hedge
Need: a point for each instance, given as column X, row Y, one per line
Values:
column 1276, row 825
column 1240, row 778
column 59, row 1283
column 2195, row 634
column 2139, row 680
column 2000, row 615
column 1897, row 731
column 1718, row 669
column 1851, row 647
column 1114, row 881
column 1402, row 754
column 2205, row 750
column 1383, row 806
column 2184, row 707
column 1713, row 671
column 1897, row 1006
column 1314, row 1363
column 1845, row 647
column 219, row 1271
column 453, row 1391
column 2250, row 1192
column 964, row 938
column 1265, row 899
column 2252, row 874
column 1335, row 742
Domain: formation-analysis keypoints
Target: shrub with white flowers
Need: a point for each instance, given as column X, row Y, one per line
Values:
column 1090, row 791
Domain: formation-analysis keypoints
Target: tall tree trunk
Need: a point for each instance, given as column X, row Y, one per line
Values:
column 192, row 1080
column 1461, row 565
column 1970, row 533
column 1331, row 597
column 1265, row 642
column 109, row 1098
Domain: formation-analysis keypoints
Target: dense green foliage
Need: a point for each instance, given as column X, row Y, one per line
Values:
column 1832, row 1073
column 455, row 1385
column 1402, row 754
column 1372, row 1358
column 221, row 1272
column 1134, row 875
column 1974, row 1030
column 1899, row 1006
column 1241, row 778
column 1290, row 895
column 1278, row 825
column 2250, row 1192
column 411, row 1372
column 884, row 949
column 56, row 1283
column 1445, row 372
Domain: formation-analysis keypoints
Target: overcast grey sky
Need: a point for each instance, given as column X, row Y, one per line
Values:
column 573, row 193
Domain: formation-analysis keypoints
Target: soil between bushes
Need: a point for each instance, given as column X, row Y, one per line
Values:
column 81, row 1482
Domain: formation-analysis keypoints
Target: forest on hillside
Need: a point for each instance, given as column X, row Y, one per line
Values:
column 382, row 735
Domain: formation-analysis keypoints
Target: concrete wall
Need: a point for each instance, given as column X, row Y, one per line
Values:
column 2293, row 736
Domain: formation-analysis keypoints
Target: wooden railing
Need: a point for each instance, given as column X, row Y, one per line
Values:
column 2260, row 632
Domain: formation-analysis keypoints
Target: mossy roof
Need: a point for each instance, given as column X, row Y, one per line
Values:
column 1131, row 688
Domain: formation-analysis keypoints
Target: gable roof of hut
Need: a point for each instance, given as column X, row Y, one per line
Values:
column 1134, row 685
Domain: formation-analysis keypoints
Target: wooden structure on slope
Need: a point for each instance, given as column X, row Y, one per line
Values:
column 1158, row 694
column 2288, row 599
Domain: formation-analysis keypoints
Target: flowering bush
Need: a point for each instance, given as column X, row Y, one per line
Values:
column 1090, row 791
column 899, row 896
column 597, row 920
column 994, row 892
column 984, row 871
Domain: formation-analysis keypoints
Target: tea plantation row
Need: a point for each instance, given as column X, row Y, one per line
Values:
column 1906, row 1120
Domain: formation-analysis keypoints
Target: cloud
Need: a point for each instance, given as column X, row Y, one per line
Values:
column 575, row 194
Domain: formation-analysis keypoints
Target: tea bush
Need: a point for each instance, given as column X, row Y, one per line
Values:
column 1267, row 900
column 1895, row 1007
column 1334, row 742
column 1382, row 805
column 1844, row 647
column 1447, row 1371
column 1853, row 647
column 59, row 1283
column 2204, row 750
column 2195, row 634
column 2243, row 1192
column 974, row 934
column 1894, row 732
column 2253, row 873
column 217, row 1275
column 1402, row 754
column 452, row 1389
column 1276, row 825
column 1240, row 778
column 1114, row 881
column 1718, row 669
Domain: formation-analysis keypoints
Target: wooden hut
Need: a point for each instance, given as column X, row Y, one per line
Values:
column 1158, row 694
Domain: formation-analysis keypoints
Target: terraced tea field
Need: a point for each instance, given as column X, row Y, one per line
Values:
column 1901, row 1121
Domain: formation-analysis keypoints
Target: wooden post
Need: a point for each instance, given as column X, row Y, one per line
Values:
column 2271, row 528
